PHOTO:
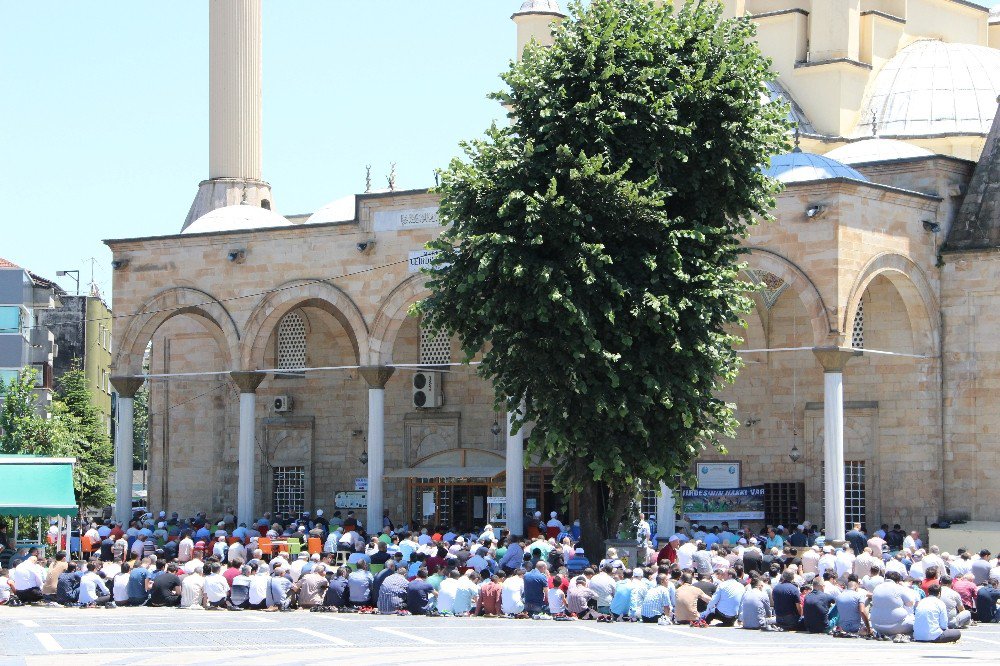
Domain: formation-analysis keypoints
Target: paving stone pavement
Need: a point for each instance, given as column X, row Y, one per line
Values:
column 42, row 635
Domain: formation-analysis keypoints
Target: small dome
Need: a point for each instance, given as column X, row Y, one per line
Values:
column 796, row 115
column 876, row 150
column 234, row 218
column 995, row 15
column 340, row 210
column 931, row 87
column 799, row 167
column 539, row 6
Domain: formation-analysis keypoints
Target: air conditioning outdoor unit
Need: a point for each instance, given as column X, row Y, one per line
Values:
column 282, row 403
column 427, row 389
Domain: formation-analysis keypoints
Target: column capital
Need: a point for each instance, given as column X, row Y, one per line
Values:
column 247, row 381
column 376, row 375
column 834, row 359
column 127, row 386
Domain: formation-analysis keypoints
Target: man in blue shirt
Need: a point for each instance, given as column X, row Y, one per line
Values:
column 816, row 609
column 138, row 584
column 419, row 594
column 986, row 602
column 725, row 603
column 930, row 619
column 787, row 602
column 536, row 585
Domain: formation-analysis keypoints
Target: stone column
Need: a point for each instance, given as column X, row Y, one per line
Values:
column 376, row 376
column 665, row 522
column 247, row 383
column 515, row 478
column 126, row 387
column 833, row 360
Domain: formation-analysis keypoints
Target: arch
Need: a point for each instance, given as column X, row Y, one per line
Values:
column 300, row 294
column 166, row 305
column 800, row 284
column 912, row 286
column 391, row 315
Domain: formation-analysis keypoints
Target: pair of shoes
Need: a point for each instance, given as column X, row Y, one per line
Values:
column 111, row 604
column 900, row 638
column 541, row 616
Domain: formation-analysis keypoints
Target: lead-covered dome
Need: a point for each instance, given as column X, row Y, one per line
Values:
column 932, row 87
column 876, row 150
column 235, row 218
column 799, row 167
column 539, row 7
column 774, row 91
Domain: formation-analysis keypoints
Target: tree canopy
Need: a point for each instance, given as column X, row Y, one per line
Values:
column 592, row 247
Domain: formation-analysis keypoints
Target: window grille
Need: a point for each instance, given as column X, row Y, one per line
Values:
column 858, row 333
column 784, row 503
column 854, row 492
column 289, row 490
column 435, row 347
column 292, row 342
column 648, row 492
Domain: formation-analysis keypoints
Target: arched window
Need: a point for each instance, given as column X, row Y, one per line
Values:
column 435, row 347
column 292, row 342
column 858, row 332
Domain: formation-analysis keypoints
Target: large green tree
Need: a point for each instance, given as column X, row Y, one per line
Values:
column 95, row 459
column 593, row 247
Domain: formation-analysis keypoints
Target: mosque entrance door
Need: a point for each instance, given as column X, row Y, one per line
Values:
column 459, row 504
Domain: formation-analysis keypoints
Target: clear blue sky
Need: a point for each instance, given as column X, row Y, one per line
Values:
column 104, row 112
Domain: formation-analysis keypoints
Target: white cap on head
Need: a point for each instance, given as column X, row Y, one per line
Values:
column 553, row 514
column 800, row 527
column 161, row 525
column 638, row 573
column 538, row 514
column 319, row 512
column 314, row 557
column 163, row 514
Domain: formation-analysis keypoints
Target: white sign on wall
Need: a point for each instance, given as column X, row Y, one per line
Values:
column 351, row 500
column 400, row 220
column 718, row 475
column 420, row 259
column 361, row 483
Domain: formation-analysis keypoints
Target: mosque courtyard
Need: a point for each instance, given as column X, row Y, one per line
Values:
column 42, row 635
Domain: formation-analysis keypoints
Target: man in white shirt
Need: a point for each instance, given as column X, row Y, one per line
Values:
column 912, row 542
column 351, row 542
column 864, row 562
column 555, row 522
column 512, row 595
column 220, row 549
column 958, row 617
column 447, row 592
column 295, row 569
column 28, row 578
column 685, row 555
column 192, row 565
column 93, row 534
column 933, row 559
column 185, row 549
column 930, row 619
column 93, row 591
column 845, row 563
column 810, row 560
column 237, row 551
column 260, row 578
column 216, row 587
column 604, row 586
column 828, row 562
column 193, row 588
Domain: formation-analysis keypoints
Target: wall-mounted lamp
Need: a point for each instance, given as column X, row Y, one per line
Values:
column 366, row 246
column 794, row 454
column 815, row 210
column 363, row 458
column 751, row 422
column 932, row 227
column 119, row 264
column 236, row 256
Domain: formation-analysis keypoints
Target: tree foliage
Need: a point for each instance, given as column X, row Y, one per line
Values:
column 593, row 247
column 95, row 460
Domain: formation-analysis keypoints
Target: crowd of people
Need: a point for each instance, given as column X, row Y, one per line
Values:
column 885, row 586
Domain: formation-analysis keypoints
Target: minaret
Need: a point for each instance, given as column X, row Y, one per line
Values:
column 235, row 84
column 534, row 22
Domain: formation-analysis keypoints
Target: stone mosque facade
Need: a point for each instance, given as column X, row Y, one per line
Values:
column 281, row 358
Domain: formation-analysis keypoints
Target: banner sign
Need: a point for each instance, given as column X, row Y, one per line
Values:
column 728, row 504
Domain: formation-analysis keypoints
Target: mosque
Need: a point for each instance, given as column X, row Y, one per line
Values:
column 286, row 375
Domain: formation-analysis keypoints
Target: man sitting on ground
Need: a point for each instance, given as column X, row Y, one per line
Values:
column 930, row 621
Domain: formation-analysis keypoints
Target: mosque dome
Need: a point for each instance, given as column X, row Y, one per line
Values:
column 931, row 87
column 799, row 167
column 340, row 210
column 876, row 150
column 796, row 115
column 539, row 6
column 235, row 218
column 995, row 15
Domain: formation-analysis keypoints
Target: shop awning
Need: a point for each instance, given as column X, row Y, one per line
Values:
column 451, row 472
column 36, row 486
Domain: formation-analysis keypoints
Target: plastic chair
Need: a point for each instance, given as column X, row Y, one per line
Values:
column 264, row 543
column 86, row 545
column 340, row 558
column 294, row 547
column 284, row 547
column 315, row 545
column 375, row 568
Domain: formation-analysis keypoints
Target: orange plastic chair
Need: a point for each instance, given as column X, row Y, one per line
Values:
column 86, row 545
column 315, row 545
column 283, row 548
column 264, row 543
column 232, row 540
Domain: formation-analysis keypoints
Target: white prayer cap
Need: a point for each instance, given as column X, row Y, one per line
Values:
column 319, row 512
column 553, row 514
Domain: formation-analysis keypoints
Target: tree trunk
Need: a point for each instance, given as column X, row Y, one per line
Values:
column 602, row 510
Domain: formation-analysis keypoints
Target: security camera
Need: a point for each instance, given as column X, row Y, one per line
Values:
column 118, row 264
column 814, row 211
column 932, row 227
column 366, row 246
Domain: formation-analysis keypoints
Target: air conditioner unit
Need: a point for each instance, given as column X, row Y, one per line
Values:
column 427, row 389
column 282, row 403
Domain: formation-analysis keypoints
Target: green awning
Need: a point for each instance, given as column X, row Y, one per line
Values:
column 36, row 486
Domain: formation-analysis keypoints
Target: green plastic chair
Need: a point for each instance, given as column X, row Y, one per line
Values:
column 375, row 568
column 294, row 546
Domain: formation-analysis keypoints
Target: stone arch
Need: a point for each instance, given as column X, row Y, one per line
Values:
column 391, row 315
column 168, row 304
column 912, row 286
column 800, row 284
column 300, row 294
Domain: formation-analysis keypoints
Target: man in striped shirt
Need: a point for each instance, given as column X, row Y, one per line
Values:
column 656, row 603
column 392, row 594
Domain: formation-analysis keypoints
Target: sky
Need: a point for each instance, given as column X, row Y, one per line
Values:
column 104, row 110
